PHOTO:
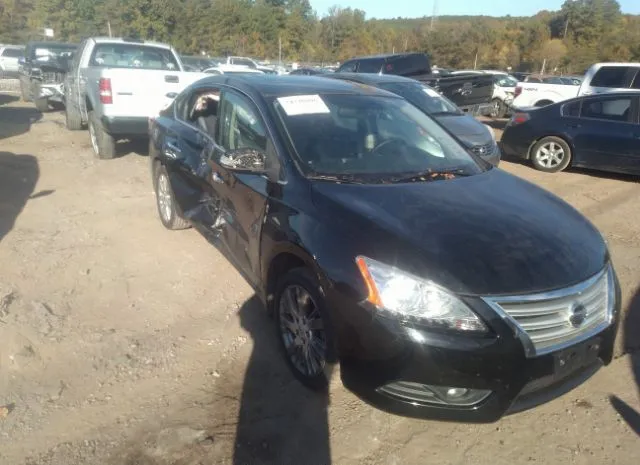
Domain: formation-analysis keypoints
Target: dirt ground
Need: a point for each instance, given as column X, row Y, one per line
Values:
column 124, row 343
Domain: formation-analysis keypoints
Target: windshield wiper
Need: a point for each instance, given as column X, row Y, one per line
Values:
column 433, row 175
column 445, row 113
column 344, row 178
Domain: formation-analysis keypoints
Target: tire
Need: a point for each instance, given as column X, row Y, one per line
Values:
column 72, row 117
column 301, row 280
column 165, row 201
column 42, row 104
column 551, row 155
column 103, row 143
column 23, row 93
column 498, row 110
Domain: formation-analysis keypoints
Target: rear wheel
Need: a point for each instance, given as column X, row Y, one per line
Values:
column 551, row 154
column 73, row 119
column 165, row 200
column 498, row 109
column 103, row 143
column 304, row 329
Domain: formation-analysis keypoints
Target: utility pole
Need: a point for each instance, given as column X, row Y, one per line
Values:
column 475, row 62
column 109, row 28
column 280, row 50
column 544, row 64
column 434, row 14
column 566, row 28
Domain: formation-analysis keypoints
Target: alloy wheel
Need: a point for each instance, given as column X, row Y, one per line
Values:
column 550, row 155
column 302, row 331
column 94, row 138
column 164, row 197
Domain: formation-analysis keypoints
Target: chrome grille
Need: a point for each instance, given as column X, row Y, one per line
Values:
column 554, row 320
column 483, row 150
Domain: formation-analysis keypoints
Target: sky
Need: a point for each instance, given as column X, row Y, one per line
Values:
column 419, row 8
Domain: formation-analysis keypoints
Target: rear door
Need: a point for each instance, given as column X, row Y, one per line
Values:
column 606, row 135
column 609, row 78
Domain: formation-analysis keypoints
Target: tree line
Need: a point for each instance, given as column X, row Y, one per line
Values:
column 582, row 32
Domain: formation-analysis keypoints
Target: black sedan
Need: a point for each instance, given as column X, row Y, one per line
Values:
column 445, row 287
column 477, row 137
column 601, row 132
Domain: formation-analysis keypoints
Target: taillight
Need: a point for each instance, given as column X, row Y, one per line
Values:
column 104, row 89
column 519, row 118
column 518, row 90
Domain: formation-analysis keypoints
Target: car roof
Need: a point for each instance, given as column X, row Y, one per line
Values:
column 269, row 85
column 383, row 55
column 39, row 43
column 122, row 40
column 371, row 78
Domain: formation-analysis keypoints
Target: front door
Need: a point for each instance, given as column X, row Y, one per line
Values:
column 608, row 136
column 243, row 195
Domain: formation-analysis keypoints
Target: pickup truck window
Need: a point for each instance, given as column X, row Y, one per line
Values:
column 51, row 52
column 133, row 56
column 12, row 53
column 243, row 62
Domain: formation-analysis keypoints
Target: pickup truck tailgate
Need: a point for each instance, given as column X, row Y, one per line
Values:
column 142, row 93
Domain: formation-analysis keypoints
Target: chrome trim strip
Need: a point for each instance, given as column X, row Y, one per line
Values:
column 521, row 334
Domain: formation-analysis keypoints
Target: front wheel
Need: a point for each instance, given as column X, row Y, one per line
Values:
column 304, row 329
column 73, row 119
column 551, row 154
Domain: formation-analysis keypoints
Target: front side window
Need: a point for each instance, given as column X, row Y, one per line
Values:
column 614, row 109
column 506, row 81
column 117, row 55
column 371, row 66
column 240, row 125
column 371, row 138
column 243, row 62
column 12, row 53
column 348, row 67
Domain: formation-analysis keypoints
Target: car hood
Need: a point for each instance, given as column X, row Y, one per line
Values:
column 469, row 130
column 487, row 234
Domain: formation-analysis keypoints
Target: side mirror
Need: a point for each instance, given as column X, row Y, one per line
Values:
column 244, row 159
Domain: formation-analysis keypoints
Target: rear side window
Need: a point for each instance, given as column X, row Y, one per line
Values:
column 572, row 109
column 610, row 76
column 348, row 67
column 12, row 53
column 133, row 56
column 616, row 109
column 409, row 65
column 370, row 66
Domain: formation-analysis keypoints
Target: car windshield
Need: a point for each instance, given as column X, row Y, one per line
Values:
column 53, row 52
column 425, row 98
column 365, row 138
column 115, row 55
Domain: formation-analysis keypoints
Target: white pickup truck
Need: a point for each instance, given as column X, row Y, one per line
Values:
column 600, row 78
column 115, row 85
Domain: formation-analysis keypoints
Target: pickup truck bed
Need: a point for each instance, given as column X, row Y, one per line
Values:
column 472, row 93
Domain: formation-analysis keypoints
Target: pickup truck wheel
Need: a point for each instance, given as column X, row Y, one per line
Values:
column 551, row 154
column 24, row 93
column 165, row 200
column 73, row 119
column 42, row 104
column 304, row 328
column 497, row 109
column 103, row 143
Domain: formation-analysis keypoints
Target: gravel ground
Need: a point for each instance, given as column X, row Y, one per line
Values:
column 124, row 343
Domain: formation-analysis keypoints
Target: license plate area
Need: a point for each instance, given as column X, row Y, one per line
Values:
column 575, row 357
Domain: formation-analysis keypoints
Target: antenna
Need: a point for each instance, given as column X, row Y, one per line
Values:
column 434, row 15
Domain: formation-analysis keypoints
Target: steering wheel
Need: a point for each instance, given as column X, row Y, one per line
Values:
column 387, row 142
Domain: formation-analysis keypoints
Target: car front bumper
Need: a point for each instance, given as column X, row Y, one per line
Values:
column 382, row 354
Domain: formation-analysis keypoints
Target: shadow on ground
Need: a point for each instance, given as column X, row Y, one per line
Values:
column 631, row 334
column 15, row 120
column 261, row 416
column 18, row 177
column 139, row 146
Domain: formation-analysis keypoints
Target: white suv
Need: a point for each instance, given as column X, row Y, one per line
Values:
column 9, row 56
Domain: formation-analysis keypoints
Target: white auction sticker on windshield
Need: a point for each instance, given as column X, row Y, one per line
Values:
column 431, row 92
column 303, row 105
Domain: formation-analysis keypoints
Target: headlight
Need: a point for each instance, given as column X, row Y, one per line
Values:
column 491, row 132
column 414, row 300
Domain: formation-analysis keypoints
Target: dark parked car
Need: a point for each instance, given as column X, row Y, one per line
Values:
column 471, row 92
column 42, row 72
column 599, row 132
column 477, row 137
column 376, row 240
column 307, row 71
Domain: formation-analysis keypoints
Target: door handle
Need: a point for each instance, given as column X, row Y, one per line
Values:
column 171, row 149
column 215, row 177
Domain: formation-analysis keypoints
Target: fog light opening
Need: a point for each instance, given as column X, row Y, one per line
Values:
column 431, row 394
